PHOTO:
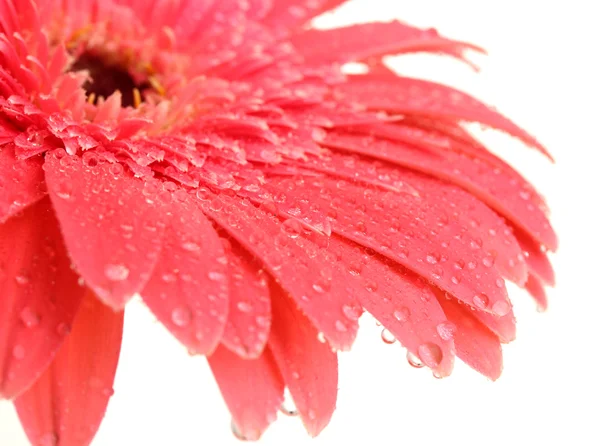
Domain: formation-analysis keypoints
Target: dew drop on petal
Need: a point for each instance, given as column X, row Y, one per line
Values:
column 48, row 439
column 340, row 326
column 387, row 336
column 414, row 360
column 430, row 354
column 116, row 273
column 481, row 301
column 244, row 307
column 181, row 316
column 288, row 407
column 321, row 337
column 402, row 314
column 236, row 432
column 446, row 330
column 351, row 312
column 18, row 352
column 501, row 308
column 29, row 318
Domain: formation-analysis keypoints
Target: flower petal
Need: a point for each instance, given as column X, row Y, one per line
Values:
column 405, row 229
column 410, row 96
column 188, row 290
column 21, row 182
column 66, row 405
column 289, row 14
column 111, row 226
column 403, row 303
column 537, row 260
column 309, row 367
column 252, row 389
column 303, row 271
column 40, row 296
column 502, row 189
column 365, row 40
column 249, row 319
column 536, row 289
column 475, row 344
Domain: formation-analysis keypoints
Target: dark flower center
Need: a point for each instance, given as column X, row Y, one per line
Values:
column 107, row 78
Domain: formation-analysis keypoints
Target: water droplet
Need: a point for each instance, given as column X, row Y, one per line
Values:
column 216, row 276
column 355, row 268
column 295, row 375
column 456, row 279
column 501, row 308
column 481, row 301
column 22, row 279
column 116, row 272
column 321, row 286
column 181, row 316
column 432, row 258
column 488, row 261
column 431, row 354
column 237, row 433
column 321, row 338
column 351, row 312
column 446, row 330
column 292, row 228
column 29, row 318
column 49, row 439
column 190, row 246
column 244, row 307
column 18, row 352
column 387, row 336
column 340, row 326
column 312, row 415
column 402, row 314
column 414, row 360
column 64, row 190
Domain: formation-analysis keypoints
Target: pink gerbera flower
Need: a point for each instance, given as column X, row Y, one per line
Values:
column 212, row 157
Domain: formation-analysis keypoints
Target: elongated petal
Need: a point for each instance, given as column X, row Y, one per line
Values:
column 405, row 229
column 362, row 41
column 66, row 405
column 303, row 271
column 502, row 189
column 21, row 182
column 535, row 288
column 188, row 290
column 288, row 14
column 39, row 298
column 416, row 96
column 403, row 304
column 249, row 319
column 110, row 224
column 308, row 366
column 252, row 389
column 537, row 260
column 475, row 344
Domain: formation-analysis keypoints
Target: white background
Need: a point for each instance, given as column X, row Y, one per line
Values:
column 542, row 73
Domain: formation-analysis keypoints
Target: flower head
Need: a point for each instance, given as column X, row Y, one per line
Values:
column 214, row 158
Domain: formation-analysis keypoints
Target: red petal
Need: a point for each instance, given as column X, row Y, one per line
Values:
column 536, row 289
column 249, row 320
column 66, row 405
column 403, row 303
column 537, row 260
column 406, row 95
column 252, row 389
column 302, row 270
column 405, row 229
column 501, row 189
column 309, row 367
column 40, row 296
column 362, row 41
column 21, row 182
column 111, row 227
column 288, row 14
column 475, row 344
column 188, row 290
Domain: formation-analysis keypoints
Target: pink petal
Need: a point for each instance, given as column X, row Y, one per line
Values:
column 111, row 225
column 403, row 303
column 308, row 366
column 406, row 95
column 475, row 344
column 188, row 290
column 405, row 229
column 252, row 389
column 537, row 260
column 40, row 296
column 249, row 320
column 501, row 189
column 21, row 182
column 362, row 41
column 302, row 270
column 66, row 405
column 288, row 14
column 536, row 289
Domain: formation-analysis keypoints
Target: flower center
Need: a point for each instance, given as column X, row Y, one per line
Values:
column 106, row 78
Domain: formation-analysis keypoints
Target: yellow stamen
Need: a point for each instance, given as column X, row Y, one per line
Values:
column 137, row 98
column 91, row 98
column 155, row 83
column 77, row 35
